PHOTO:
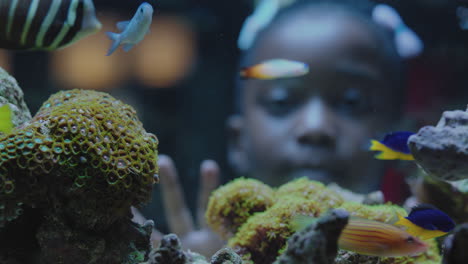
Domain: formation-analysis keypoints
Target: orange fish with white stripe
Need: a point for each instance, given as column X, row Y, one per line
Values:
column 375, row 238
column 372, row 238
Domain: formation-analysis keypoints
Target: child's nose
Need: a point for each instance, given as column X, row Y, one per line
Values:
column 316, row 124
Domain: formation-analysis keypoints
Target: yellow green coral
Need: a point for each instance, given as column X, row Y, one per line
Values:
column 262, row 236
column 84, row 151
column 231, row 205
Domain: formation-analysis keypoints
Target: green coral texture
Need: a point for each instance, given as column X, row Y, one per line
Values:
column 81, row 146
column 261, row 237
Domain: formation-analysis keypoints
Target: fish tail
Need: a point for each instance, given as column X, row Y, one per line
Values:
column 6, row 125
column 386, row 152
column 115, row 37
column 377, row 146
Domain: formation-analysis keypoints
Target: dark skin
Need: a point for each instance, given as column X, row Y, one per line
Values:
column 314, row 126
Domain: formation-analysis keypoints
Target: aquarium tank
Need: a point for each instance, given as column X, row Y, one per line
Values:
column 230, row 132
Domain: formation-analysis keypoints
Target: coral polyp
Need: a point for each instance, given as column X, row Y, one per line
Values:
column 84, row 152
column 231, row 205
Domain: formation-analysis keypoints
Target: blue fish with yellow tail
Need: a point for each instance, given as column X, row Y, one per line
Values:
column 373, row 238
column 393, row 146
column 426, row 221
column 6, row 125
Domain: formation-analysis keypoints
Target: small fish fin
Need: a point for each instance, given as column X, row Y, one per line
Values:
column 128, row 47
column 122, row 25
column 301, row 221
column 115, row 37
column 6, row 125
column 428, row 234
column 147, row 32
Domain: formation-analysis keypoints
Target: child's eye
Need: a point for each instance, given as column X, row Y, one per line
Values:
column 279, row 102
column 352, row 103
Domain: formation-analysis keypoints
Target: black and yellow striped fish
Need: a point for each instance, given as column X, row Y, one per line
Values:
column 45, row 24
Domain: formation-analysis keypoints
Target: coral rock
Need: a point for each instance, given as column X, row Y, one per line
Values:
column 317, row 243
column 169, row 251
column 442, row 150
column 84, row 154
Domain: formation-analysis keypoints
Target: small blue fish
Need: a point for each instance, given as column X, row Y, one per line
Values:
column 426, row 221
column 394, row 146
column 132, row 31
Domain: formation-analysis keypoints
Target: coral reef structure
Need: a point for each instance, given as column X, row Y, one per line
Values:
column 455, row 245
column 83, row 152
column 170, row 252
column 231, row 205
column 68, row 178
column 302, row 246
column 11, row 94
column 264, row 235
column 442, row 150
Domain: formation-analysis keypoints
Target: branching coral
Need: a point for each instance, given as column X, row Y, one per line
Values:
column 84, row 152
column 262, row 238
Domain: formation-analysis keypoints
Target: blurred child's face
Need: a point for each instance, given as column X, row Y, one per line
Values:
column 316, row 125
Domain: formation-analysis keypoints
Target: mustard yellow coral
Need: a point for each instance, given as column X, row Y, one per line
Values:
column 232, row 204
column 83, row 151
column 262, row 237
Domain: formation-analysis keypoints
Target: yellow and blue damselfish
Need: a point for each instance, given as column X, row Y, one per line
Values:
column 393, row 146
column 6, row 124
column 426, row 221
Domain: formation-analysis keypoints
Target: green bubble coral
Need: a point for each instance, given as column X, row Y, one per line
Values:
column 85, row 153
column 232, row 204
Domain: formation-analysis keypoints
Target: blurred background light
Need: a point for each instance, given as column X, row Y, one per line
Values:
column 85, row 65
column 167, row 53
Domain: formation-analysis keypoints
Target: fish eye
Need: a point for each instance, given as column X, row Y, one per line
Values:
column 410, row 240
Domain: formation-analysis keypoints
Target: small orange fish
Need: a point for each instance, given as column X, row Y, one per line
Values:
column 275, row 69
column 375, row 238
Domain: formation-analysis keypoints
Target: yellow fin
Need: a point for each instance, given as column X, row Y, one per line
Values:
column 388, row 153
column 428, row 234
column 6, row 125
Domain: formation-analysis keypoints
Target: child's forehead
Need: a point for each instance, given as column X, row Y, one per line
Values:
column 318, row 41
